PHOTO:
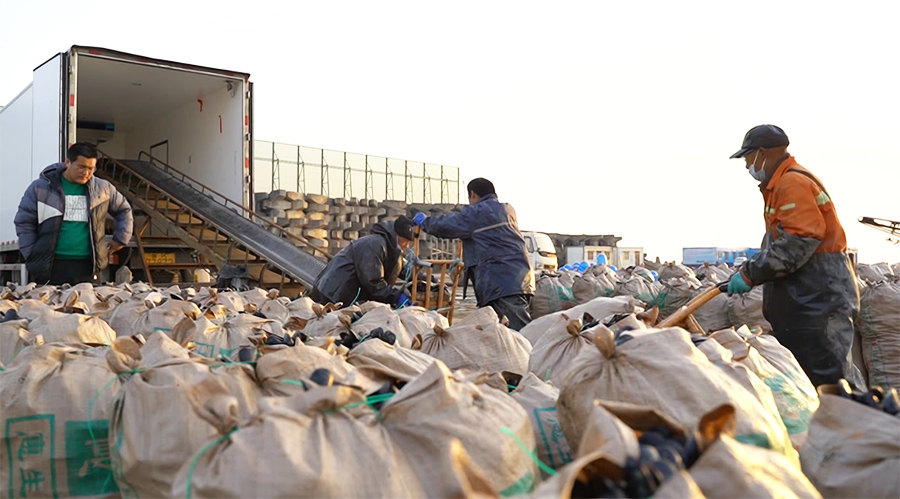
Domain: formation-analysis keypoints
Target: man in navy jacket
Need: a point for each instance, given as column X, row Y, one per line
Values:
column 493, row 250
column 61, row 222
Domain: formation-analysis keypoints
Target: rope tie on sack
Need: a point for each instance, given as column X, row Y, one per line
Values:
column 370, row 401
column 546, row 469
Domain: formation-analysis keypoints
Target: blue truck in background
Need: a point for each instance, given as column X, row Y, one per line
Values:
column 695, row 257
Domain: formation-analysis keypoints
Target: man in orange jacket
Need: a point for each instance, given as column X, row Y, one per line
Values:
column 809, row 287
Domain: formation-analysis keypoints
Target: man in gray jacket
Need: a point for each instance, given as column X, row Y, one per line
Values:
column 61, row 220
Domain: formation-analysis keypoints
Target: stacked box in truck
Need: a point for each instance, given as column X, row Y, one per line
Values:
column 194, row 118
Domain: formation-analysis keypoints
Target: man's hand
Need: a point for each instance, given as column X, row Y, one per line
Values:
column 419, row 218
column 402, row 300
column 737, row 285
column 114, row 246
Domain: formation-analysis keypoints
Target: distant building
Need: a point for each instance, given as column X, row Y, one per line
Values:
column 563, row 242
column 699, row 256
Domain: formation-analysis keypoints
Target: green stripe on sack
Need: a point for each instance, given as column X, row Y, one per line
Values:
column 783, row 390
column 822, row 198
column 523, row 486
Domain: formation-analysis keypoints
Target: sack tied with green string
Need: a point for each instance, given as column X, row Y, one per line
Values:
column 153, row 428
column 795, row 396
column 478, row 342
column 54, row 418
column 325, row 442
column 662, row 369
column 441, row 405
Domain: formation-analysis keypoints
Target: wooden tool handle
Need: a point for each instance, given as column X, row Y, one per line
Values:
column 681, row 314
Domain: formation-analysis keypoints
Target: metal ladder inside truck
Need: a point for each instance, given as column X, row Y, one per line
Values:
column 218, row 229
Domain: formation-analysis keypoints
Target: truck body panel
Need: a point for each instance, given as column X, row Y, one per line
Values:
column 541, row 251
column 194, row 118
column 16, row 151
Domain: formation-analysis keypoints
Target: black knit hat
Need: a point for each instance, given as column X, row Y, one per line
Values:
column 403, row 227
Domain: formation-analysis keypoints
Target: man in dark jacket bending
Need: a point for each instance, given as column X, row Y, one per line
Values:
column 493, row 250
column 61, row 220
column 366, row 270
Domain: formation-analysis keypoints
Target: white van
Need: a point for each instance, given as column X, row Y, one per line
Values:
column 541, row 251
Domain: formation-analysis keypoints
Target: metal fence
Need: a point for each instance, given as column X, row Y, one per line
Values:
column 351, row 175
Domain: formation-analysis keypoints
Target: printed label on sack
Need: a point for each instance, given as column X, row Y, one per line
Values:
column 30, row 447
column 88, row 469
column 552, row 438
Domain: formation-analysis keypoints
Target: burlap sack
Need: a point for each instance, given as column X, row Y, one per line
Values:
column 256, row 296
column 852, row 450
column 32, row 309
column 713, row 273
column 276, row 308
column 674, row 270
column 538, row 398
column 164, row 317
column 213, row 336
column 325, row 322
column 417, row 320
column 747, row 309
column 231, row 300
column 54, row 415
column 386, row 319
column 60, row 327
column 109, row 299
column 727, row 468
column 153, row 428
column 550, row 296
column 598, row 308
column 467, row 481
column 478, row 342
column 632, row 284
column 439, row 406
column 676, row 292
column 661, row 368
column 377, row 360
column 286, row 371
column 574, row 481
column 879, row 329
column 122, row 318
column 14, row 337
column 723, row 359
column 322, row 443
column 796, row 402
column 81, row 293
column 554, row 352
column 587, row 287
column 611, row 427
column 874, row 273
column 302, row 307
column 713, row 315
column 782, row 360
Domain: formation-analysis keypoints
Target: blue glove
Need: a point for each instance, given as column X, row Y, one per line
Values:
column 402, row 300
column 419, row 218
column 737, row 285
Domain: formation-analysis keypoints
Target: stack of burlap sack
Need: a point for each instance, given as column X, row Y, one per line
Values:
column 134, row 391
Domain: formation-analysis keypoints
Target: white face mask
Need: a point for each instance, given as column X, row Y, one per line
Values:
column 760, row 174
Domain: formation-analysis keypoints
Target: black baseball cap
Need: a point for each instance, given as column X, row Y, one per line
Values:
column 762, row 137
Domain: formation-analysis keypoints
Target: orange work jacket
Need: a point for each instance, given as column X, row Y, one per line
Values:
column 797, row 200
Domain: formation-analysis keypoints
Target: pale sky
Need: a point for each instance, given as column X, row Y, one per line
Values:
column 589, row 117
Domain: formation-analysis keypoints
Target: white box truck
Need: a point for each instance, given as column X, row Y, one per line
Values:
column 541, row 251
column 196, row 119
